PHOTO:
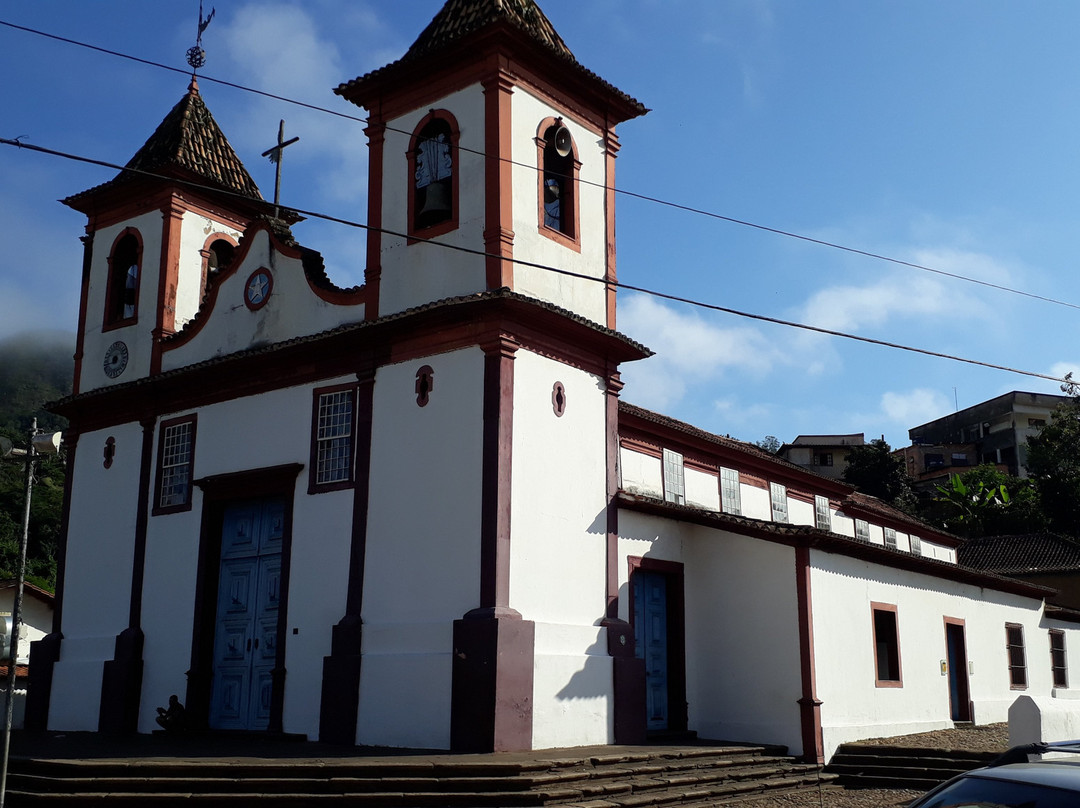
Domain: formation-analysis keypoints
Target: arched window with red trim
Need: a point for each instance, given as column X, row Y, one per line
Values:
column 433, row 175
column 125, row 264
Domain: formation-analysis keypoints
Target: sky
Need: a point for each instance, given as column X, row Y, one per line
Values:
column 942, row 134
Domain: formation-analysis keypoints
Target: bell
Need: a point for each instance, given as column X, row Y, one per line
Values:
column 436, row 201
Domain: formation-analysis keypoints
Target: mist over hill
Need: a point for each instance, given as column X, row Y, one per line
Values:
column 35, row 367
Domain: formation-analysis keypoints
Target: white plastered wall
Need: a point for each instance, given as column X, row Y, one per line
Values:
column 583, row 297
column 233, row 436
column 137, row 337
column 292, row 310
column 558, row 545
column 853, row 707
column 702, row 489
column 741, row 615
column 423, row 546
column 413, row 274
column 195, row 229
column 100, row 543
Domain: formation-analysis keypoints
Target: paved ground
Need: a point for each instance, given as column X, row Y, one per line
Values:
column 988, row 738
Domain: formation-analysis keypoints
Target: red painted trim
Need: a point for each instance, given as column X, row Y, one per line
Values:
column 570, row 203
column 256, row 305
column 676, row 632
column 71, row 444
column 498, row 179
column 497, row 474
column 218, row 491
column 1008, row 660
column 809, row 704
column 376, row 132
column 450, row 224
column 886, row 607
column 966, row 707
column 80, row 338
column 415, row 84
column 425, row 383
column 314, row 487
column 138, row 564
column 611, row 151
column 205, row 253
column 247, row 240
column 332, row 354
column 364, row 407
column 108, row 321
column 611, row 427
column 169, row 269
column 156, row 510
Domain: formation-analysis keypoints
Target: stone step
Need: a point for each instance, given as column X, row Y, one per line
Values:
column 632, row 778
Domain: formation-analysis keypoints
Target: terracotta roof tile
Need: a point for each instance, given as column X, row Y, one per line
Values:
column 458, row 18
column 1028, row 553
column 188, row 141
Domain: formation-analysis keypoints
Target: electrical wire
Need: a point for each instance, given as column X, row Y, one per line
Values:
column 630, row 194
column 547, row 267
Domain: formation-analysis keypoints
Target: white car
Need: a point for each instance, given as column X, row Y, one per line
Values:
column 1012, row 781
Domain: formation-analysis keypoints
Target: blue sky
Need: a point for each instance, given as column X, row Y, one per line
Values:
column 937, row 133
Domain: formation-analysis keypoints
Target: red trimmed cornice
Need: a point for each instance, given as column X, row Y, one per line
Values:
column 407, row 85
column 498, row 319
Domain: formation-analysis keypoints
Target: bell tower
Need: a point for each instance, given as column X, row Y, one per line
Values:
column 155, row 236
column 488, row 136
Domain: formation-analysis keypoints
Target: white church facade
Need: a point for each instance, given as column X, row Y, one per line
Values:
column 416, row 513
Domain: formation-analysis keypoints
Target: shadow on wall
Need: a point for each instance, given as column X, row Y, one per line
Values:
column 591, row 682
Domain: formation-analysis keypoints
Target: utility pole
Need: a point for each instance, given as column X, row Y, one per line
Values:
column 38, row 444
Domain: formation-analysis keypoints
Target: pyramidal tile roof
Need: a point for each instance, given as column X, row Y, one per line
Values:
column 461, row 17
column 189, row 142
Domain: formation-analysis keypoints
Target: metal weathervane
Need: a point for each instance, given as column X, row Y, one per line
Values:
column 196, row 56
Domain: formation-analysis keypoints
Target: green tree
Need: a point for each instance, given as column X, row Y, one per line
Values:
column 984, row 501
column 874, row 470
column 34, row 369
column 770, row 443
column 1053, row 463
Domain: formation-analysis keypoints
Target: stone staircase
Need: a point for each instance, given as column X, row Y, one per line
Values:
column 869, row 766
column 619, row 777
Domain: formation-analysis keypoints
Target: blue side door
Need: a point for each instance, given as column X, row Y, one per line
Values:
column 248, row 608
column 651, row 643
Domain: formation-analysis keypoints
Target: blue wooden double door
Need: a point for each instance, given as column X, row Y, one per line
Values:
column 658, row 640
column 247, row 615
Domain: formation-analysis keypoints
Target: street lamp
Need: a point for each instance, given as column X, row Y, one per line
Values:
column 40, row 443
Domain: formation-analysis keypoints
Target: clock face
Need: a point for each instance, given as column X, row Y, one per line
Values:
column 116, row 359
column 257, row 289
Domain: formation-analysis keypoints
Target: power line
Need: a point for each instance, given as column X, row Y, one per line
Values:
column 549, row 268
column 631, row 194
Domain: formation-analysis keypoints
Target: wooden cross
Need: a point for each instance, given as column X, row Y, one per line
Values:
column 275, row 154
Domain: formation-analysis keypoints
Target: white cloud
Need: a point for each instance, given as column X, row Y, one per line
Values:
column 690, row 351
column 915, row 406
column 279, row 47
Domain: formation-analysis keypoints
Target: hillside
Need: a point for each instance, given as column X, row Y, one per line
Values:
column 35, row 368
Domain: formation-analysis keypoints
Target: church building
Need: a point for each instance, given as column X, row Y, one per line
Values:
column 417, row 513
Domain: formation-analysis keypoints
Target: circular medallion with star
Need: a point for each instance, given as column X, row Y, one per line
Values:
column 257, row 289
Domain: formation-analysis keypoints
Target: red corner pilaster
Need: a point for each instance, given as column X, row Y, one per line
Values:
column 497, row 473
column 611, row 150
column 492, row 676
column 809, row 705
column 168, row 279
column 376, row 132
column 498, row 178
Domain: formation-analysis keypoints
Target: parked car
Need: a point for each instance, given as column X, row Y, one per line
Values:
column 1012, row 781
